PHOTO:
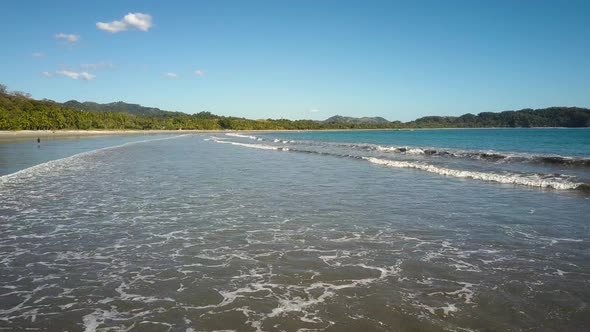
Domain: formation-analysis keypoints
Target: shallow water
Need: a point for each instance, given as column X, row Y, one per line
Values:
column 20, row 153
column 187, row 234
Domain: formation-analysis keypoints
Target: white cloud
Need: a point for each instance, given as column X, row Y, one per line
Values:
column 96, row 66
column 138, row 21
column 76, row 75
column 70, row 38
column 112, row 27
column 171, row 75
column 200, row 72
column 37, row 54
column 47, row 74
column 314, row 110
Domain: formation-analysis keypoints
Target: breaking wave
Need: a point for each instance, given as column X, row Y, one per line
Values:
column 255, row 146
column 244, row 136
column 492, row 156
column 487, row 155
column 560, row 182
column 539, row 180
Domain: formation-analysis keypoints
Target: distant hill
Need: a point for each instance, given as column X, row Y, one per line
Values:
column 348, row 119
column 121, row 107
column 18, row 111
column 525, row 118
column 546, row 117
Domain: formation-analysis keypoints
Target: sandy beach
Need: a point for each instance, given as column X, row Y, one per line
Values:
column 49, row 134
column 26, row 134
column 7, row 135
column 56, row 133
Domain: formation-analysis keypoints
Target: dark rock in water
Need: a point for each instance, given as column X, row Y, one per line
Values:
column 429, row 151
column 38, row 140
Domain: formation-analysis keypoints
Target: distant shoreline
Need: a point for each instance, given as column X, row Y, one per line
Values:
column 24, row 134
column 19, row 134
column 6, row 135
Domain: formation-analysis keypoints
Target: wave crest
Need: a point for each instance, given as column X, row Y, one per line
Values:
column 243, row 136
column 533, row 180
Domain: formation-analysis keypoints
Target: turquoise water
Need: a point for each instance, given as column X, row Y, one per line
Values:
column 542, row 158
column 562, row 141
column 240, row 232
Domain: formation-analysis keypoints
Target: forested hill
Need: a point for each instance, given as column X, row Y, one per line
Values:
column 120, row 107
column 546, row 117
column 18, row 111
column 347, row 119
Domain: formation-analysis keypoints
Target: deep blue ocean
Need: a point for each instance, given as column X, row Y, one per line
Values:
column 425, row 230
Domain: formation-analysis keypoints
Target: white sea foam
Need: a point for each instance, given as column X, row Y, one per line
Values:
column 414, row 151
column 386, row 148
column 255, row 146
column 93, row 320
column 243, row 136
column 465, row 293
column 291, row 298
column 472, row 154
column 450, row 307
column 121, row 289
column 328, row 290
column 533, row 180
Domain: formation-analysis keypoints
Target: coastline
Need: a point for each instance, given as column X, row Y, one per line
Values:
column 23, row 134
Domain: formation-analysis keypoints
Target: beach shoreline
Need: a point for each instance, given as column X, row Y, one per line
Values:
column 50, row 133
column 6, row 135
column 18, row 134
column 24, row 134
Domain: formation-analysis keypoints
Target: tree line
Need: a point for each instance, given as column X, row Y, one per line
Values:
column 18, row 111
column 526, row 118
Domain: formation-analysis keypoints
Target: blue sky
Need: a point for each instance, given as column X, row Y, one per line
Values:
column 302, row 59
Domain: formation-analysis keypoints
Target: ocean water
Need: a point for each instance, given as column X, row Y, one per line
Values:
column 543, row 141
column 20, row 153
column 300, row 232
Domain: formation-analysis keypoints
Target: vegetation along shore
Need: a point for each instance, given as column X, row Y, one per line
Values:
column 18, row 111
